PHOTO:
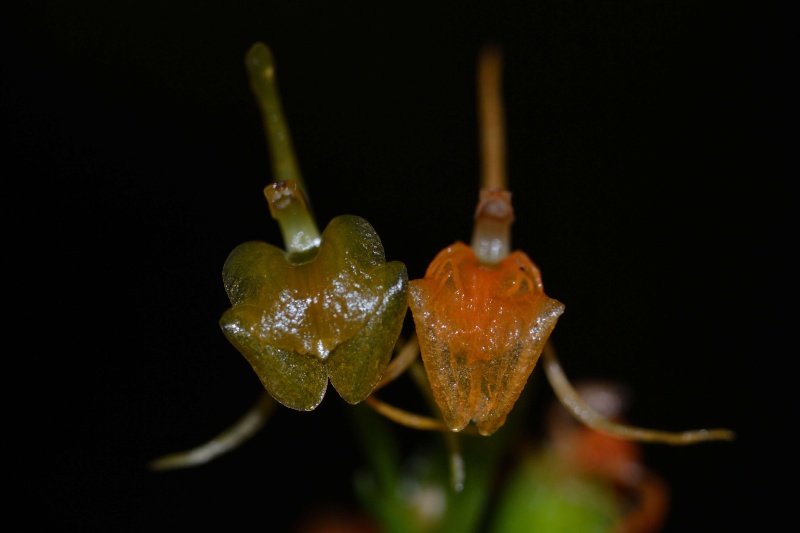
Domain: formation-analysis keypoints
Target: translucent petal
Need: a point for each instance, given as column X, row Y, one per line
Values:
column 481, row 329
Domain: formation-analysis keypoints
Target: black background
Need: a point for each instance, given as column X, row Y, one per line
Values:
column 131, row 132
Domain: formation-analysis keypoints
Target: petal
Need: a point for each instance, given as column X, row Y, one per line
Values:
column 254, row 272
column 482, row 329
column 295, row 380
column 356, row 365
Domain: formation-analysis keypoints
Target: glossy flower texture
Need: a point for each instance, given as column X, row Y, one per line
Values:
column 329, row 307
column 482, row 318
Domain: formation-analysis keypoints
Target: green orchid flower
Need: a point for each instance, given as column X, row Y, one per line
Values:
column 329, row 306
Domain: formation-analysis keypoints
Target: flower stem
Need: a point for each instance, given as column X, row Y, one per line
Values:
column 286, row 195
column 492, row 119
column 261, row 72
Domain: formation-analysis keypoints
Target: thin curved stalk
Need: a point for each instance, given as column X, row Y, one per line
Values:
column 231, row 438
column 492, row 119
column 573, row 402
column 260, row 66
column 405, row 357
